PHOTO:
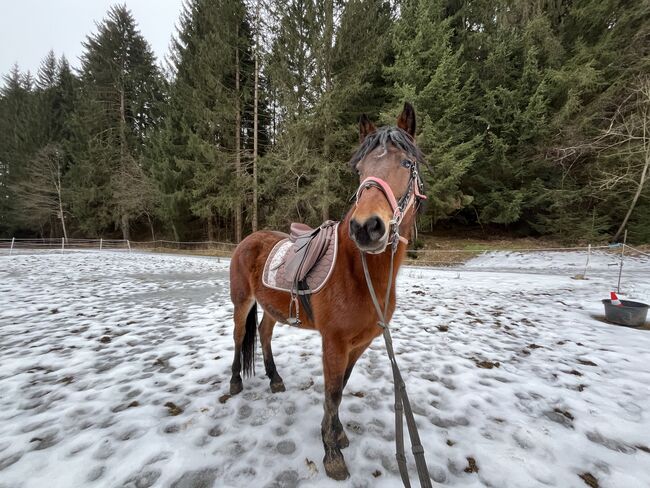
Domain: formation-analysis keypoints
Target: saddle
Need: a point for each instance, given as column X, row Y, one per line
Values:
column 302, row 263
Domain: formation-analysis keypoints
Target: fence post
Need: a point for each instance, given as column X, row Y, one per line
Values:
column 62, row 245
column 128, row 244
column 584, row 275
column 101, row 243
column 620, row 269
column 11, row 249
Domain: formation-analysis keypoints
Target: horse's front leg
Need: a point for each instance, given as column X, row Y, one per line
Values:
column 335, row 358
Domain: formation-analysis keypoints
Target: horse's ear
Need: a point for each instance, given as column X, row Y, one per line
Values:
column 365, row 127
column 406, row 119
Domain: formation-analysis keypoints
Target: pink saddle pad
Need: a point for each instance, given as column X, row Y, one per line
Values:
column 275, row 270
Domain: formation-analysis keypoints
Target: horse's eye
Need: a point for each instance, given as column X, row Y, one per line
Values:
column 407, row 163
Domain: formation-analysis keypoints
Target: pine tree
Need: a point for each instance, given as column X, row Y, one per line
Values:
column 210, row 106
column 429, row 71
column 121, row 86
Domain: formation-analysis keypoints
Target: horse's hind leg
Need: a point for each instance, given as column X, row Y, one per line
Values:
column 266, row 334
column 245, row 317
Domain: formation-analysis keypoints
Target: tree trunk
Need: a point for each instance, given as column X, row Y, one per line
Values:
column 238, row 204
column 210, row 228
column 58, row 192
column 255, row 113
column 126, row 234
column 644, row 175
column 153, row 234
column 124, row 218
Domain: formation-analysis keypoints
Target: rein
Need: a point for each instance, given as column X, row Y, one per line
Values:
column 402, row 402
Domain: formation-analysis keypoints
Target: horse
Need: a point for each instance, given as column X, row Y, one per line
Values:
column 377, row 229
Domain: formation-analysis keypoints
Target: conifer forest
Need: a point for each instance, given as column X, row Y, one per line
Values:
column 533, row 115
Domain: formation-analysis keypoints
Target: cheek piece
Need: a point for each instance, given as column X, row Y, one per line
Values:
column 412, row 194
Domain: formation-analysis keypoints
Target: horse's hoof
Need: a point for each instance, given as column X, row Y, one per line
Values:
column 342, row 440
column 335, row 468
column 236, row 387
column 277, row 387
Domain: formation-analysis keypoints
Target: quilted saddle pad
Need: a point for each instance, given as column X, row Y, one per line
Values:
column 276, row 273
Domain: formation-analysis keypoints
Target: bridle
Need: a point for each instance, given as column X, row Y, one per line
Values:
column 412, row 196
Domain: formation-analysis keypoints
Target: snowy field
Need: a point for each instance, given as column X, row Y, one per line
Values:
column 114, row 369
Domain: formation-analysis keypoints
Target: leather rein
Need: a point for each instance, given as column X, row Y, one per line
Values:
column 412, row 196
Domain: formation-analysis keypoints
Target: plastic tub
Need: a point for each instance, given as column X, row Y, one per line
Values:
column 628, row 313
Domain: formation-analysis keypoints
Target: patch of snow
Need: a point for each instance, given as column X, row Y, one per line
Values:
column 112, row 366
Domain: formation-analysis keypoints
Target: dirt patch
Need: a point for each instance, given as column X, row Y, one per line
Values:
column 486, row 364
column 173, row 409
column 564, row 413
column 590, row 480
column 472, row 467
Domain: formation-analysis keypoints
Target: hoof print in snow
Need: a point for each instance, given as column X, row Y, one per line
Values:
column 201, row 478
column 95, row 473
column 450, row 443
column 589, row 479
column 586, row 362
column 224, row 398
column 472, row 467
column 574, row 372
column 173, row 409
column 443, row 328
column 286, row 447
column 105, row 340
column 359, row 394
column 307, row 385
column 376, row 473
column 561, row 417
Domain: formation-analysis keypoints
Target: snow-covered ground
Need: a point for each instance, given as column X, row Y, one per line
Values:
column 114, row 369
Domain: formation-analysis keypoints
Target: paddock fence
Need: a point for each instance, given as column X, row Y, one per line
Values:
column 431, row 257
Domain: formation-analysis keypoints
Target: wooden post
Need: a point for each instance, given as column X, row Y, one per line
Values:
column 620, row 269
column 584, row 275
column 11, row 249
column 128, row 243
column 62, row 244
column 101, row 243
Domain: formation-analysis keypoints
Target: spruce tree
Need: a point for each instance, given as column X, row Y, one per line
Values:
column 121, row 86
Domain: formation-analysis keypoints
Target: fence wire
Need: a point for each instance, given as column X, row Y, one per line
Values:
column 415, row 257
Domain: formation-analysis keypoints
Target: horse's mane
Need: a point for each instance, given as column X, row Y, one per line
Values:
column 381, row 137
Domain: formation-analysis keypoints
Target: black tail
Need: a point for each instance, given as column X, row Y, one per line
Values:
column 248, row 346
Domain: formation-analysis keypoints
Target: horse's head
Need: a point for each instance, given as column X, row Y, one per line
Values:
column 390, row 187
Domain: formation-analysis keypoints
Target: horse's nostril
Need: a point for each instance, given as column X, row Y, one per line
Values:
column 369, row 232
column 375, row 228
column 354, row 227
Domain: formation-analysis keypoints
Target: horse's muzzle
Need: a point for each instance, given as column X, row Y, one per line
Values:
column 370, row 235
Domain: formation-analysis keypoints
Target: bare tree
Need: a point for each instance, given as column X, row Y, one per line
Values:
column 625, row 148
column 39, row 196
column 622, row 151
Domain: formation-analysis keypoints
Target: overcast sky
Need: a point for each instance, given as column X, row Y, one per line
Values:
column 30, row 28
